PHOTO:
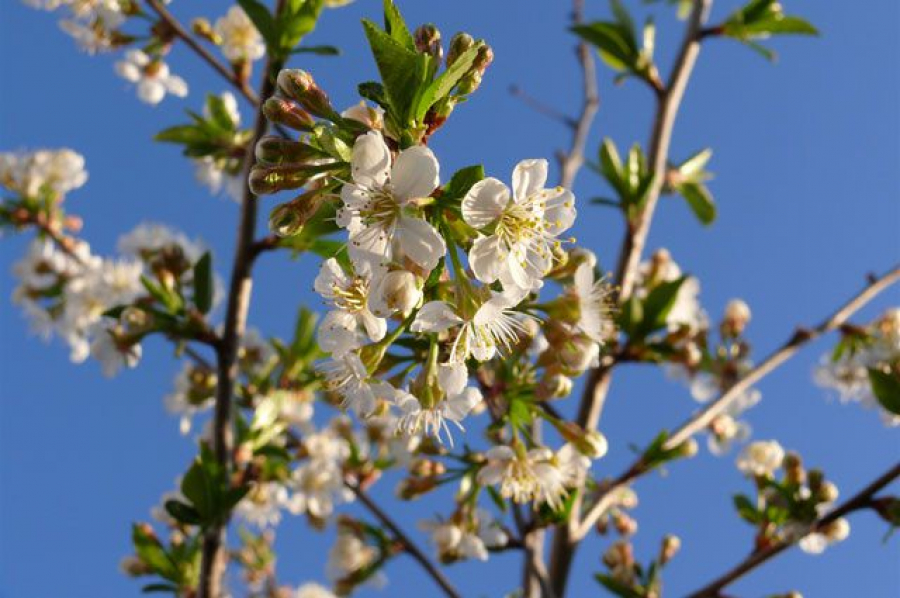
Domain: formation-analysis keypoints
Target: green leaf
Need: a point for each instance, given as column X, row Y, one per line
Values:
column 616, row 587
column 886, row 388
column 182, row 512
column 183, row 134
column 261, row 17
column 323, row 50
column 746, row 509
column 396, row 27
column 159, row 588
column 297, row 20
column 374, row 91
column 461, row 181
column 219, row 112
column 615, row 45
column 197, row 487
column 700, row 201
column 150, row 551
column 694, row 167
column 444, row 84
column 203, row 283
column 402, row 71
column 659, row 303
column 169, row 299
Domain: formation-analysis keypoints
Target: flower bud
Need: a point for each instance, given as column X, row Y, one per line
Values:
column 273, row 150
column 589, row 443
column 284, row 112
column 265, row 180
column 553, row 386
column 288, row 219
column 469, row 83
column 202, row 28
column 688, row 448
column 793, row 468
column 459, row 44
column 624, row 524
column 133, row 566
column 300, row 86
column 428, row 41
column 837, row 530
column 483, row 59
column 828, row 492
column 410, row 488
column 737, row 316
column 670, row 547
column 136, row 321
column 397, row 291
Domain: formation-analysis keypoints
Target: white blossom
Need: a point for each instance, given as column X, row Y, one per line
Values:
column 348, row 555
column 29, row 173
column 193, row 394
column 379, row 205
column 482, row 332
column 458, row 400
column 151, row 76
column 241, row 40
column 594, row 316
column 261, row 506
column 313, row 590
column 524, row 476
column 761, row 458
column 469, row 538
column 521, row 227
column 341, row 330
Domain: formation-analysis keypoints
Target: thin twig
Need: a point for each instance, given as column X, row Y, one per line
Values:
column 413, row 550
column 571, row 162
column 702, row 419
column 598, row 380
column 212, row 565
column 862, row 500
column 542, row 107
column 182, row 33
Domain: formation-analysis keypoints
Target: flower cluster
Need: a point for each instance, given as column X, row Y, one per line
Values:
column 789, row 509
column 865, row 365
column 151, row 77
column 94, row 24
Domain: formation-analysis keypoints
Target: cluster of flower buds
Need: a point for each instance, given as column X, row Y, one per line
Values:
column 626, row 576
column 788, row 508
column 865, row 366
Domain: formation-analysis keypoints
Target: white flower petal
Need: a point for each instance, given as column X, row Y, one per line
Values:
column 484, row 202
column 529, row 177
column 420, row 242
column 486, row 258
column 435, row 316
column 415, row 173
column 452, row 377
column 371, row 161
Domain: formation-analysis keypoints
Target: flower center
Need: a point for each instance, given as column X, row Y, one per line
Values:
column 351, row 298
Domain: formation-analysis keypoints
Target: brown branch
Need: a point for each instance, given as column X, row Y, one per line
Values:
column 702, row 419
column 413, row 550
column 178, row 29
column 862, row 500
column 597, row 384
column 212, row 566
column 571, row 162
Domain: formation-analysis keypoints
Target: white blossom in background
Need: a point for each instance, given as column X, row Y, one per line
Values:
column 149, row 238
column 377, row 202
column 193, row 394
column 525, row 225
column 350, row 554
column 151, row 77
column 56, row 171
column 241, row 40
column 761, row 458
column 467, row 539
column 524, row 476
column 816, row 542
column 92, row 23
column 594, row 312
column 313, row 590
column 686, row 311
column 262, row 505
column 848, row 375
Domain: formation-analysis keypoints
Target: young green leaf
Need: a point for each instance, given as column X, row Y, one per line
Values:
column 203, row 283
column 461, row 181
column 396, row 27
column 444, row 84
column 700, row 201
column 886, row 388
column 402, row 71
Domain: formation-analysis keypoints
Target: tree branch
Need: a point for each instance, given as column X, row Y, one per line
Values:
column 169, row 19
column 408, row 544
column 598, row 380
column 212, row 564
column 702, row 419
column 861, row 500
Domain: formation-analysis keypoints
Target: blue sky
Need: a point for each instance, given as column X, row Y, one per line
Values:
column 806, row 158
